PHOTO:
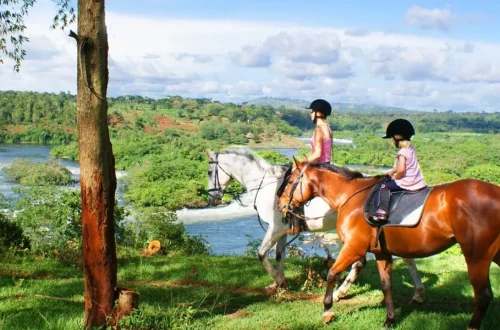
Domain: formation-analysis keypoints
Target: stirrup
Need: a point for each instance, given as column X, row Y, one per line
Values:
column 378, row 217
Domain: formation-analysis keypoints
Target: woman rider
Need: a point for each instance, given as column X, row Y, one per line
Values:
column 321, row 141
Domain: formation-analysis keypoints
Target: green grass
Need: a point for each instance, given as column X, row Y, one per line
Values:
column 209, row 292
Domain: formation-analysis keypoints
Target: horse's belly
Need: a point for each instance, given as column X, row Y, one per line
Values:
column 412, row 243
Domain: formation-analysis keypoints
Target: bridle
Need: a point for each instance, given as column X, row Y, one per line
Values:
column 289, row 207
column 217, row 187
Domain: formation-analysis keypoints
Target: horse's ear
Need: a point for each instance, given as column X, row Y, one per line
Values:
column 297, row 163
column 305, row 157
column 207, row 152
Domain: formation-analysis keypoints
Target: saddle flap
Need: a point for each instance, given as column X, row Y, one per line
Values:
column 405, row 208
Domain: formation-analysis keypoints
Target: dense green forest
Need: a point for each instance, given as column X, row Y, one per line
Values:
column 161, row 143
column 51, row 118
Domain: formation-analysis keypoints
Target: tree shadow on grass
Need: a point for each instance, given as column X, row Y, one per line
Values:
column 448, row 305
column 369, row 280
column 40, row 303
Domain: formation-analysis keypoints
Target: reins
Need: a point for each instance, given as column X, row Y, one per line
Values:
column 218, row 187
column 303, row 217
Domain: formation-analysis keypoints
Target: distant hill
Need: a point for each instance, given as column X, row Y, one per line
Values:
column 298, row 104
column 277, row 102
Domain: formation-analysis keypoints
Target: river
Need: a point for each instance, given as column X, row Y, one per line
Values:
column 226, row 228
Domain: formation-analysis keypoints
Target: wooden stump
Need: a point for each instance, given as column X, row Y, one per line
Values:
column 154, row 247
column 128, row 300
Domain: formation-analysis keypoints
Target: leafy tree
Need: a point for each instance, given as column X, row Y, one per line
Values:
column 485, row 172
column 97, row 179
column 214, row 130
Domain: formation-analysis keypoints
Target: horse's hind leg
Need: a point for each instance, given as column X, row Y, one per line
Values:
column 280, row 257
column 417, row 282
column 384, row 265
column 356, row 269
column 480, row 280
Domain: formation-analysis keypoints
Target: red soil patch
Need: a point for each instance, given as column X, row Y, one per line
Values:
column 239, row 315
column 21, row 274
column 15, row 128
column 113, row 120
column 281, row 294
column 165, row 122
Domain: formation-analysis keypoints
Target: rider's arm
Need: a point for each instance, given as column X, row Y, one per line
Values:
column 318, row 145
column 391, row 172
column 400, row 168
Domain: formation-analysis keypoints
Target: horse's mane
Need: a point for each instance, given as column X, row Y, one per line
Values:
column 347, row 173
column 262, row 163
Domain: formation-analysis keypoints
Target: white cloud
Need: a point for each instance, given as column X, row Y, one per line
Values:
column 237, row 60
column 465, row 48
column 251, row 56
column 356, row 33
column 436, row 18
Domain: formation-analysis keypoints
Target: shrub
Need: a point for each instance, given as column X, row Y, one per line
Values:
column 11, row 235
column 156, row 224
column 39, row 174
column 485, row 172
column 51, row 218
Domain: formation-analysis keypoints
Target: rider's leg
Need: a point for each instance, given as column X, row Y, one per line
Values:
column 385, row 198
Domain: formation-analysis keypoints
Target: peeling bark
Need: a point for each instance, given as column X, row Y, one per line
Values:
column 97, row 168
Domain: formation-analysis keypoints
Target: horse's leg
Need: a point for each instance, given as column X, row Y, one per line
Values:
column 417, row 282
column 384, row 265
column 280, row 257
column 345, row 259
column 480, row 280
column 356, row 269
column 270, row 239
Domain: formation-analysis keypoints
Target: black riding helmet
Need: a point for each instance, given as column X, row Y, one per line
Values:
column 321, row 106
column 399, row 127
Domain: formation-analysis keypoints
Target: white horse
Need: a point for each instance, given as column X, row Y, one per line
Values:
column 263, row 180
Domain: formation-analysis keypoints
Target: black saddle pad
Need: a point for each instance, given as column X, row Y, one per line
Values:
column 405, row 207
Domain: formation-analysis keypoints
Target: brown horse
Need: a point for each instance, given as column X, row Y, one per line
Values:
column 466, row 212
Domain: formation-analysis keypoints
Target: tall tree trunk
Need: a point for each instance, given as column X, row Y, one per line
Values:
column 97, row 167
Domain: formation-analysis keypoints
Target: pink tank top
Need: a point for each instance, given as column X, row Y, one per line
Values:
column 326, row 151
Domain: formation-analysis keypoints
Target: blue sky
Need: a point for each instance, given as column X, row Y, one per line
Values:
column 355, row 14
column 414, row 54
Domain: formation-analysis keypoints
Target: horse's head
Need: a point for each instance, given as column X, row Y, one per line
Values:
column 298, row 189
column 218, row 179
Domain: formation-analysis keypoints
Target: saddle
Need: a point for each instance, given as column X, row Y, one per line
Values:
column 405, row 208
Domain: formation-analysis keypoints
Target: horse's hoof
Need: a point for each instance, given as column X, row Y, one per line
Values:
column 270, row 289
column 389, row 323
column 328, row 316
column 416, row 302
column 335, row 297
column 284, row 284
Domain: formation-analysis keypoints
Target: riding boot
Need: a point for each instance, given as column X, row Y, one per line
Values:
column 383, row 208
